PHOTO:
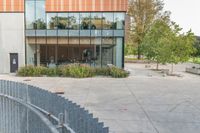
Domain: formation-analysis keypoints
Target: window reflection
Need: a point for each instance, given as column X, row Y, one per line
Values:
column 96, row 20
column 85, row 21
column 119, row 20
column 108, row 49
column 73, row 21
column 108, row 21
column 30, row 15
column 35, row 19
column 63, row 21
column 40, row 15
column 52, row 21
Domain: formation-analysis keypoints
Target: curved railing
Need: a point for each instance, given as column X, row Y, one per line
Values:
column 29, row 109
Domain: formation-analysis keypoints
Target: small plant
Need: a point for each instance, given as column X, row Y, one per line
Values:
column 80, row 71
column 105, row 71
column 52, row 72
column 32, row 71
column 118, row 73
column 64, row 70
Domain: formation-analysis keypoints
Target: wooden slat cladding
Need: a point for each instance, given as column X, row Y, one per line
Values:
column 11, row 5
column 86, row 5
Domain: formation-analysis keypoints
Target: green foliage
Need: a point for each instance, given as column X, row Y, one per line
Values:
column 52, row 72
column 80, row 71
column 197, row 46
column 144, row 13
column 195, row 60
column 130, row 50
column 73, row 70
column 118, row 73
column 165, row 43
column 64, row 71
column 105, row 71
column 32, row 71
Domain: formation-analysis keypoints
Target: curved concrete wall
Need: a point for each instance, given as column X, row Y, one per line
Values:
column 11, row 39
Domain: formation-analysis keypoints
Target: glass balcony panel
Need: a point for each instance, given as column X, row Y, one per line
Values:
column 62, row 32
column 84, row 32
column 73, row 32
column 51, row 32
column 107, row 33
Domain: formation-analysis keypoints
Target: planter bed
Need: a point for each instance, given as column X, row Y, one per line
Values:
column 193, row 70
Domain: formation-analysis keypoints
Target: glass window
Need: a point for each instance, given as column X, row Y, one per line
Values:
column 96, row 20
column 52, row 21
column 96, row 43
column 63, row 55
column 119, row 20
column 73, row 21
column 85, row 21
column 119, row 49
column 62, row 20
column 108, row 21
column 108, row 49
column 40, row 15
column 30, row 14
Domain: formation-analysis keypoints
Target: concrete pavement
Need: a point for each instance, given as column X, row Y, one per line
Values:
column 138, row 104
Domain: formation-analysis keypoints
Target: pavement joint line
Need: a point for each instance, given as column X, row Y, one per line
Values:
column 146, row 114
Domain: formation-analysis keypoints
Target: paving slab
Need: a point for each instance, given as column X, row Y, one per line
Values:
column 137, row 104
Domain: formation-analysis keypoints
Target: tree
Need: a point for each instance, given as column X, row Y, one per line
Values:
column 143, row 13
column 181, row 47
column 155, row 43
column 165, row 43
column 197, row 46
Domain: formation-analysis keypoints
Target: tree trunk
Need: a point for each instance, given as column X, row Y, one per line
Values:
column 139, row 52
column 157, row 66
column 172, row 69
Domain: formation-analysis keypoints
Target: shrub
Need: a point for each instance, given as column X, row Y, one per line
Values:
column 52, row 72
column 73, row 70
column 80, row 71
column 32, row 71
column 105, row 71
column 63, row 71
column 118, row 73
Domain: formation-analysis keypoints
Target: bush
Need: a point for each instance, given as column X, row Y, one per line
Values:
column 105, row 71
column 80, row 71
column 118, row 73
column 73, row 70
column 52, row 72
column 32, row 71
column 64, row 71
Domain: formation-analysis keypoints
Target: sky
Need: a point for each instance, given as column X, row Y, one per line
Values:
column 186, row 13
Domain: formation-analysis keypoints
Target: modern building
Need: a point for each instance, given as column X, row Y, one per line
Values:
column 43, row 32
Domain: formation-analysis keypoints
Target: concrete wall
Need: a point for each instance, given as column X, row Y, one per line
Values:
column 11, row 39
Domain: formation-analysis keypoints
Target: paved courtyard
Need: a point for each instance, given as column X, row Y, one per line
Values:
column 146, row 102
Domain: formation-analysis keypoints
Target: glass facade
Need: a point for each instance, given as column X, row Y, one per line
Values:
column 73, row 21
column 63, row 21
column 96, row 21
column 108, row 21
column 94, row 38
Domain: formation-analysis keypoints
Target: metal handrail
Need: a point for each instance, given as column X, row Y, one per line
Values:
column 53, row 117
column 34, row 110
